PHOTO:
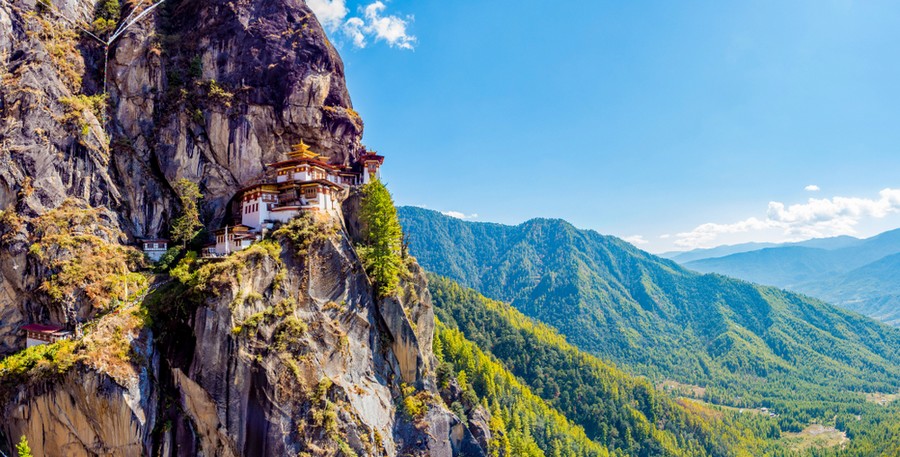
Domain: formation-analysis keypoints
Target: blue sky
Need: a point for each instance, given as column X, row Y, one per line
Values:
column 671, row 124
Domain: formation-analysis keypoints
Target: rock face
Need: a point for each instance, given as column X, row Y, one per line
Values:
column 280, row 350
column 214, row 90
column 295, row 340
column 86, row 414
column 205, row 90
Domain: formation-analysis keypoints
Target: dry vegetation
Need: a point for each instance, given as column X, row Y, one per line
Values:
column 61, row 42
column 815, row 437
column 86, row 265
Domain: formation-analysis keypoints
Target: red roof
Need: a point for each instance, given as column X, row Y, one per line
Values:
column 371, row 156
column 40, row 328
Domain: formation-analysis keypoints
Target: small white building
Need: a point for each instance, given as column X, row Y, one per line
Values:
column 232, row 239
column 37, row 334
column 371, row 163
column 154, row 248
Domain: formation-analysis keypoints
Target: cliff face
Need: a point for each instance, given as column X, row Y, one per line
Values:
column 280, row 350
column 212, row 91
column 84, row 414
column 205, row 90
column 296, row 357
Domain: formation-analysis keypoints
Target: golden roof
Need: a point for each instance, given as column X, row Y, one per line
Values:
column 302, row 151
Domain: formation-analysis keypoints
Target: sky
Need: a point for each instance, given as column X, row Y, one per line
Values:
column 673, row 125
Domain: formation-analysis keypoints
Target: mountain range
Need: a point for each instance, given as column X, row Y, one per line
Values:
column 743, row 343
column 857, row 274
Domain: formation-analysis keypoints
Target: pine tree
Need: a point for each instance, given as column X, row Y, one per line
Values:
column 382, row 238
column 22, row 449
column 185, row 227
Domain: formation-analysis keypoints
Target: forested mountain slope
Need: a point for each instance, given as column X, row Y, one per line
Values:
column 746, row 344
column 490, row 341
column 616, row 409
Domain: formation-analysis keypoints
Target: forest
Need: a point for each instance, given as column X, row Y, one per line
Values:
column 622, row 412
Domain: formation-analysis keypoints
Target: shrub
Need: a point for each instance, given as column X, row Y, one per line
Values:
column 22, row 449
column 196, row 68
column 72, row 242
column 77, row 105
column 303, row 230
column 167, row 260
column 217, row 93
column 37, row 362
column 415, row 405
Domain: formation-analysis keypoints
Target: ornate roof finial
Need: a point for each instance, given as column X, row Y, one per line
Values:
column 302, row 151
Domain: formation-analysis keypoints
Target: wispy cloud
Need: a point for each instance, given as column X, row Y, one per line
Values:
column 459, row 215
column 331, row 13
column 818, row 217
column 812, row 188
column 636, row 240
column 372, row 24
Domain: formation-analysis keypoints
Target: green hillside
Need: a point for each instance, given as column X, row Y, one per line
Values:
column 746, row 345
column 623, row 412
column 491, row 343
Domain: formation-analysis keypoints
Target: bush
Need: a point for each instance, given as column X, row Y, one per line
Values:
column 167, row 261
column 22, row 449
column 303, row 230
column 72, row 242
column 37, row 362
column 415, row 405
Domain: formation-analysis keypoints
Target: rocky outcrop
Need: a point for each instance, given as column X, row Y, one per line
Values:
column 88, row 410
column 280, row 350
column 86, row 414
column 293, row 355
column 205, row 90
column 214, row 90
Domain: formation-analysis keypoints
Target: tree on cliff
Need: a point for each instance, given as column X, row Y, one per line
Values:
column 22, row 449
column 186, row 226
column 382, row 238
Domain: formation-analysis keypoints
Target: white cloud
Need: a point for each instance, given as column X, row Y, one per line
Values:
column 812, row 188
column 665, row 236
column 818, row 217
column 355, row 29
column 388, row 28
column 373, row 24
column 635, row 240
column 459, row 215
column 331, row 13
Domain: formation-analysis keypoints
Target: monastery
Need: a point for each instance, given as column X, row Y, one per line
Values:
column 305, row 182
